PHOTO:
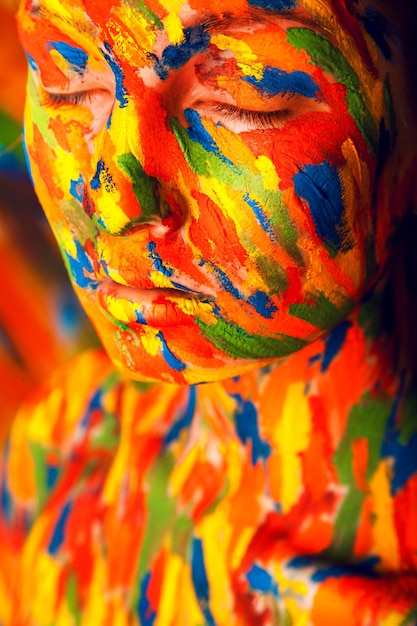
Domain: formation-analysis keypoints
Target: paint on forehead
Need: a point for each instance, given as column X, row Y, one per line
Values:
column 196, row 39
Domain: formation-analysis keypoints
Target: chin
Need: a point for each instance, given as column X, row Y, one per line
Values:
column 177, row 354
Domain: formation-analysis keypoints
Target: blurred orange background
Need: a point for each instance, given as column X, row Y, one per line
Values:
column 41, row 323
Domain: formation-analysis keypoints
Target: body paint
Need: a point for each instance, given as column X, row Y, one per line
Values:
column 166, row 173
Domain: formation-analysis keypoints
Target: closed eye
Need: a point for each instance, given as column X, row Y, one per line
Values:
column 251, row 120
column 55, row 100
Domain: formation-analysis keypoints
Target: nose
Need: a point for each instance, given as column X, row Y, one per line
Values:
column 130, row 171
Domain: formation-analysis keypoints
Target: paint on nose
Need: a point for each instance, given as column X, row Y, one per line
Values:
column 144, row 187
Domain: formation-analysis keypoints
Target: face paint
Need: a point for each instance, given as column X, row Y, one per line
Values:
column 218, row 181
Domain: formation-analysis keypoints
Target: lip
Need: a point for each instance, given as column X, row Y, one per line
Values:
column 158, row 308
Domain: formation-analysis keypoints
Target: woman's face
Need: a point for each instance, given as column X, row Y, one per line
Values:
column 218, row 174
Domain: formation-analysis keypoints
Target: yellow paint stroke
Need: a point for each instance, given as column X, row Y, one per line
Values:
column 385, row 542
column 216, row 533
column 246, row 60
column 59, row 61
column 291, row 437
column 95, row 610
column 298, row 617
column 172, row 21
column 268, row 171
column 150, row 341
column 173, row 27
column 169, row 592
column 288, row 586
column 393, row 619
column 182, row 471
column 40, row 572
column 121, row 308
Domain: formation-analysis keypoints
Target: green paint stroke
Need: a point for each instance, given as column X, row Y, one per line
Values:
column 161, row 511
column 144, row 187
column 367, row 420
column 273, row 274
column 322, row 312
column 39, row 113
column 72, row 600
column 241, row 179
column 150, row 17
column 325, row 56
column 39, row 454
column 238, row 344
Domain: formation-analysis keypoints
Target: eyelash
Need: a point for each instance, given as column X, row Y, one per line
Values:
column 59, row 99
column 262, row 119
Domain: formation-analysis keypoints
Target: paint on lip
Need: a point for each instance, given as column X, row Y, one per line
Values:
column 159, row 308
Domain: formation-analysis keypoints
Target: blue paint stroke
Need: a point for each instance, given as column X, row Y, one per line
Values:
column 262, row 219
column 273, row 5
column 379, row 28
column 226, row 283
column 199, row 134
column 263, row 304
column 320, row 186
column 322, row 571
column 404, row 454
column 174, row 57
column 77, row 188
column 78, row 265
column 58, row 535
column 261, row 580
column 139, row 317
column 184, row 420
column 52, row 474
column 158, row 263
column 259, row 301
column 275, row 81
column 118, row 76
column 334, row 340
column 169, row 357
column 6, row 502
column 85, row 421
column 200, row 580
column 246, row 420
column 76, row 57
column 32, row 63
column 95, row 181
column 144, row 610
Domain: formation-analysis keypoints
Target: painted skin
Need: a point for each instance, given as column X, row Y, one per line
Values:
column 283, row 495
column 227, row 171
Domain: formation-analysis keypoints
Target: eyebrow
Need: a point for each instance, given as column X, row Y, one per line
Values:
column 255, row 15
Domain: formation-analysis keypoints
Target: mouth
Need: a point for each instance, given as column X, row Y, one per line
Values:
column 158, row 308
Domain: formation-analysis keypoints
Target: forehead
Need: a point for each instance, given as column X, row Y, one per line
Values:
column 151, row 25
column 175, row 15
